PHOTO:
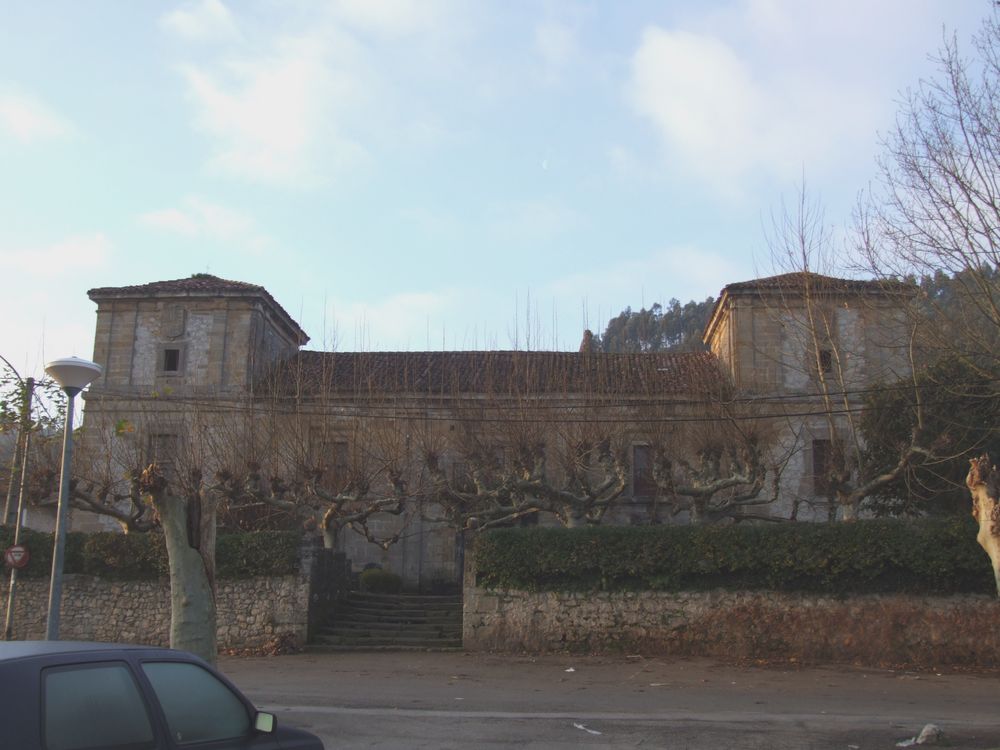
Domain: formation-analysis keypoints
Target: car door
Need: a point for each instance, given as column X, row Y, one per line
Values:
column 201, row 711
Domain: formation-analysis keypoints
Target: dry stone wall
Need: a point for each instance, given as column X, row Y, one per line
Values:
column 870, row 630
column 251, row 612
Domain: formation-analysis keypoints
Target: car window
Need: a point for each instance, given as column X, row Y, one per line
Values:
column 94, row 706
column 197, row 705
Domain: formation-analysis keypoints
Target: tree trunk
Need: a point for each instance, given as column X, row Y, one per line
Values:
column 330, row 536
column 983, row 484
column 192, row 594
column 189, row 531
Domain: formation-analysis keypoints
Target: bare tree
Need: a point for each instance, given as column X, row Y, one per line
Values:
column 514, row 457
column 841, row 338
column 723, row 466
column 936, row 207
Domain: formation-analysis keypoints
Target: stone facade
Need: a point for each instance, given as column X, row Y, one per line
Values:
column 191, row 356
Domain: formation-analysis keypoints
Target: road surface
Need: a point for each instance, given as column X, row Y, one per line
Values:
column 457, row 700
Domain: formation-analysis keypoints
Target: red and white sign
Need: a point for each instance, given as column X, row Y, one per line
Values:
column 16, row 556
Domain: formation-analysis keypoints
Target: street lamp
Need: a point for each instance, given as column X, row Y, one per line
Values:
column 73, row 374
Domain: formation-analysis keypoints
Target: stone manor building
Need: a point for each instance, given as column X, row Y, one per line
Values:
column 204, row 361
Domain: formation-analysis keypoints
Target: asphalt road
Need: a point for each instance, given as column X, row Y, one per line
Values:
column 455, row 700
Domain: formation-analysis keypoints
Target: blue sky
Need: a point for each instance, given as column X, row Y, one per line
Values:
column 428, row 174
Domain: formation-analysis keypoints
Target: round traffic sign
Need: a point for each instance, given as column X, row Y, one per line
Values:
column 16, row 556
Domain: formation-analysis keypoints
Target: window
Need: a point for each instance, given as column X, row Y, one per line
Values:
column 163, row 450
column 337, row 465
column 822, row 453
column 171, row 359
column 643, row 484
column 826, row 360
column 94, row 707
column 197, row 706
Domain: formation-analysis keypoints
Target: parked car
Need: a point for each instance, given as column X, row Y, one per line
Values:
column 64, row 695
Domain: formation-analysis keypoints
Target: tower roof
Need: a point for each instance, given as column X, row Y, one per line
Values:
column 198, row 285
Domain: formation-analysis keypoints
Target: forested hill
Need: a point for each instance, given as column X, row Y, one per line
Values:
column 676, row 328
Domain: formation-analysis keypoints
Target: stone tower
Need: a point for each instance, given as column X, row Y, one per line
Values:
column 196, row 335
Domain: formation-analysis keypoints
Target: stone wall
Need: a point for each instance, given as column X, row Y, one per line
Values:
column 250, row 612
column 870, row 630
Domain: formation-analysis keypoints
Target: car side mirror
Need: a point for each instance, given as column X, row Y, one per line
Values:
column 264, row 722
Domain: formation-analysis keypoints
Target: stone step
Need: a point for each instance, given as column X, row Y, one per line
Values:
column 392, row 627
column 370, row 606
column 320, row 648
column 383, row 612
column 338, row 640
column 421, row 600
column 394, row 621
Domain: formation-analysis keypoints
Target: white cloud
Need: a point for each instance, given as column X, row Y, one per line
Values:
column 202, row 21
column 764, row 88
column 391, row 18
column 26, row 119
column 60, row 258
column 200, row 218
column 710, row 112
column 274, row 118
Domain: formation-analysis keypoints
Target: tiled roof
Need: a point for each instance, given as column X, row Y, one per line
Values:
column 796, row 283
column 800, row 279
column 501, row 373
column 197, row 285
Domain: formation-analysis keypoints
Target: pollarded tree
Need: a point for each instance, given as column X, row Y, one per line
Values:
column 178, row 482
column 718, row 462
column 513, row 459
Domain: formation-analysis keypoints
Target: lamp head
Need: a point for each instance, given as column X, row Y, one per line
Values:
column 73, row 374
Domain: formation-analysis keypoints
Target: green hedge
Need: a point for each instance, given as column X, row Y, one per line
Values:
column 144, row 556
column 929, row 556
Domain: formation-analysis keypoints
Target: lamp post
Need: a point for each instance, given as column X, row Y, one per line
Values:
column 73, row 374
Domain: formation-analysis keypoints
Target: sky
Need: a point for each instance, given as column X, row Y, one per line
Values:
column 432, row 174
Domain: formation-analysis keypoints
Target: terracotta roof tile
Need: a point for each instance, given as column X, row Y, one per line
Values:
column 199, row 283
column 501, row 372
column 799, row 279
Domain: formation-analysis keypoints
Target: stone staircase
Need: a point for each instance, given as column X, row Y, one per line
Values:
column 393, row 622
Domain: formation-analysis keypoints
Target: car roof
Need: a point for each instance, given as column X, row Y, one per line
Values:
column 23, row 649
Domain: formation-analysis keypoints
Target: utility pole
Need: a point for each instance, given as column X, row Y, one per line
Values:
column 25, row 439
column 20, row 451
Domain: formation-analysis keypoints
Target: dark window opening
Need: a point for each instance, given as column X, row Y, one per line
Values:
column 643, row 484
column 822, row 455
column 163, row 451
column 826, row 360
column 171, row 360
column 338, row 466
